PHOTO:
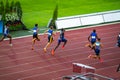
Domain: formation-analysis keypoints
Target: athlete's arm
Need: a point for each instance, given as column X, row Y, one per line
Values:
column 89, row 38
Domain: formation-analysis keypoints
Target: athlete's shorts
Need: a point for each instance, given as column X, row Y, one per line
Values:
column 5, row 35
column 35, row 36
column 93, row 41
column 50, row 39
column 118, row 43
column 62, row 40
column 97, row 52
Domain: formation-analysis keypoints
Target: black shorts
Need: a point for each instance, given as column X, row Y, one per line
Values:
column 97, row 52
column 35, row 36
column 50, row 39
column 118, row 43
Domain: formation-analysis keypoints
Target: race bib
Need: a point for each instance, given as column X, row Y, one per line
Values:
column 93, row 37
column 34, row 31
column 49, row 34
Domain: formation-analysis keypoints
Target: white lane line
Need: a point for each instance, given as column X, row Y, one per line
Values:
column 58, row 64
column 41, row 49
column 60, row 70
column 58, row 52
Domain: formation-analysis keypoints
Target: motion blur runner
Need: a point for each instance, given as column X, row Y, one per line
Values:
column 60, row 39
column 35, row 35
column 50, row 33
column 97, row 46
column 6, row 34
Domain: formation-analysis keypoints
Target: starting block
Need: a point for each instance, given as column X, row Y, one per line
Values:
column 82, row 68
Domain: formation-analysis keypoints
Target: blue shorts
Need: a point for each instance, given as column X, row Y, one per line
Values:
column 62, row 40
column 97, row 52
column 50, row 39
column 5, row 35
column 35, row 35
column 118, row 43
column 93, row 41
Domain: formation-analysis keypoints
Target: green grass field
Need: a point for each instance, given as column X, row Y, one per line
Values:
column 40, row 11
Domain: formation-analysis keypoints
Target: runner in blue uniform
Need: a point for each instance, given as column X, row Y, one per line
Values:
column 118, row 40
column 50, row 33
column 35, row 35
column 97, row 45
column 61, row 39
column 92, row 38
column 6, row 34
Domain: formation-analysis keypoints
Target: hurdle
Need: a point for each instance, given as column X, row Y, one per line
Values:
column 82, row 68
column 84, row 72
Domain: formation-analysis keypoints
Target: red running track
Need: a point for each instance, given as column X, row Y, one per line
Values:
column 21, row 63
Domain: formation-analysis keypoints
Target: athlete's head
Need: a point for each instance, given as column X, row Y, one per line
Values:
column 51, row 27
column 99, row 39
column 62, row 29
column 94, row 30
column 6, row 25
column 36, row 25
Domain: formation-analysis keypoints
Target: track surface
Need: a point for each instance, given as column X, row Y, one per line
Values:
column 21, row 63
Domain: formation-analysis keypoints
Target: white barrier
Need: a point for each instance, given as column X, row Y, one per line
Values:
column 82, row 68
column 92, row 20
column 65, row 23
column 88, row 19
column 111, row 17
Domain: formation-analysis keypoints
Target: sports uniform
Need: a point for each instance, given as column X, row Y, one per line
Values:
column 50, row 38
column 97, row 45
column 97, row 48
column 61, row 39
column 6, row 31
column 35, row 35
column 6, row 34
column 93, row 37
column 118, row 40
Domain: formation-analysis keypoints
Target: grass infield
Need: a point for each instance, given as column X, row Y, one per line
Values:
column 40, row 11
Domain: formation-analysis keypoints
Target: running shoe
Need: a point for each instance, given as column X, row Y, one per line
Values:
column 52, row 53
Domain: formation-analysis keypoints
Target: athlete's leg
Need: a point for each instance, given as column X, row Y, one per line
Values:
column 50, row 40
column 97, row 54
column 33, row 40
column 65, row 41
column 53, row 50
column 38, row 39
column 57, row 45
column 118, row 43
column 59, row 41
column 92, row 43
column 33, row 43
column 9, row 36
column 3, row 37
column 118, row 68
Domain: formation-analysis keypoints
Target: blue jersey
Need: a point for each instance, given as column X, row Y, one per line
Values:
column 93, row 36
column 6, row 31
column 97, row 45
column 35, row 30
column 119, row 37
column 61, row 34
column 50, row 32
